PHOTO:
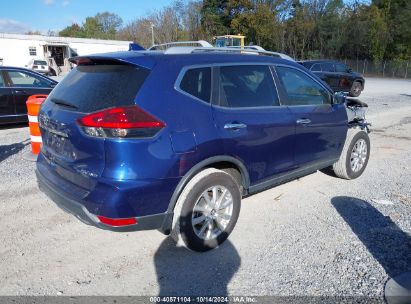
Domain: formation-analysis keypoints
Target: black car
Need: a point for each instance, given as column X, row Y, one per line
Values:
column 337, row 75
column 16, row 85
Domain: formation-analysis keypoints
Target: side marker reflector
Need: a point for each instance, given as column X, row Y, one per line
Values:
column 117, row 222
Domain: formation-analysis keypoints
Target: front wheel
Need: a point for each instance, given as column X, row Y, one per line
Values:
column 207, row 210
column 354, row 156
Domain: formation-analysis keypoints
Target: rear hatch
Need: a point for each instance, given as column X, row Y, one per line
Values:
column 94, row 85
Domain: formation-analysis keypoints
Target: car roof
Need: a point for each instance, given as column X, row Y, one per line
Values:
column 149, row 58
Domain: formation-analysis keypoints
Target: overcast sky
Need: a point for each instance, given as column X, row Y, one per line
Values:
column 20, row 16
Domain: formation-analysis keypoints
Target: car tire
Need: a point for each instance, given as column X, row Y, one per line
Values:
column 198, row 223
column 356, row 89
column 354, row 156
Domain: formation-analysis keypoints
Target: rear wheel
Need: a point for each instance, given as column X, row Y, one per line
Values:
column 354, row 156
column 356, row 89
column 207, row 210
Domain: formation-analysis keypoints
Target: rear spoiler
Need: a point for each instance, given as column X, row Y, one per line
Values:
column 95, row 60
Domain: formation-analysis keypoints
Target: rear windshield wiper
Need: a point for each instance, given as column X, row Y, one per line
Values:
column 63, row 103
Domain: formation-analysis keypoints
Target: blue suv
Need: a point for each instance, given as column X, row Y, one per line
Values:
column 172, row 141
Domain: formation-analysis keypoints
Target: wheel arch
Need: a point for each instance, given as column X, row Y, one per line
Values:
column 360, row 80
column 218, row 162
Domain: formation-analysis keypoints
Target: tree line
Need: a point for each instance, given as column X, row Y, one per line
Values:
column 357, row 29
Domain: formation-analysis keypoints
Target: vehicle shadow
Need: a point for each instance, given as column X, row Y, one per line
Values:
column 181, row 272
column 8, row 150
column 328, row 171
column 388, row 244
column 14, row 126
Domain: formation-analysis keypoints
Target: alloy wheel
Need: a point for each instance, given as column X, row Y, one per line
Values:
column 358, row 155
column 212, row 212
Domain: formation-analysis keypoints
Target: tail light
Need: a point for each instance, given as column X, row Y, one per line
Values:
column 129, row 121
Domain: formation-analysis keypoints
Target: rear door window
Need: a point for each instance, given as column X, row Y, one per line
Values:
column 328, row 67
column 25, row 80
column 301, row 89
column 246, row 86
column 91, row 88
column 197, row 82
column 316, row 67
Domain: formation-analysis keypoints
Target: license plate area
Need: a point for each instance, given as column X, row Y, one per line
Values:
column 59, row 145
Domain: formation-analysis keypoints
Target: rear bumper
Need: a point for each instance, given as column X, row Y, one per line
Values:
column 77, row 209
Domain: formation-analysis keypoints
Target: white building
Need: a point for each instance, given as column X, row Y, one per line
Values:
column 18, row 50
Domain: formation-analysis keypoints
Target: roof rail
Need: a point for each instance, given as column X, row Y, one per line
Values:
column 191, row 50
column 165, row 46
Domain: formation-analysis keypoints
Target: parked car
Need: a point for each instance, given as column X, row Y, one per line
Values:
column 16, row 85
column 186, row 137
column 337, row 75
column 39, row 66
column 258, row 48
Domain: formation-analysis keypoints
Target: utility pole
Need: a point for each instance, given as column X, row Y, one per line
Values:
column 152, row 33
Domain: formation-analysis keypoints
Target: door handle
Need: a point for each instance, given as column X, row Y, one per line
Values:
column 20, row 92
column 234, row 126
column 303, row 121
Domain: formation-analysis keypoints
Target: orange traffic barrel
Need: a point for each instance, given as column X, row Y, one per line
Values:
column 33, row 108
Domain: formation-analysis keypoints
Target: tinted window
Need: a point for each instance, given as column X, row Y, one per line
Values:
column 95, row 87
column 316, row 67
column 22, row 79
column 341, row 68
column 40, row 62
column 197, row 82
column 301, row 89
column 246, row 86
column 328, row 67
column 1, row 81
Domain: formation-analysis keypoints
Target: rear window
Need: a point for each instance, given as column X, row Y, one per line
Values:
column 342, row 68
column 91, row 88
column 40, row 62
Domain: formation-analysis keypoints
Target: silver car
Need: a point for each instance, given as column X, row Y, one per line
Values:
column 39, row 66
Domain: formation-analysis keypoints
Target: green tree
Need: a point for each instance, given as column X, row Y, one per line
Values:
column 73, row 30
column 101, row 26
column 397, row 14
column 378, row 33
column 331, row 26
column 215, row 20
column 108, row 24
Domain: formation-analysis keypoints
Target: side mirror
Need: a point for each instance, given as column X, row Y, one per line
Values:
column 339, row 98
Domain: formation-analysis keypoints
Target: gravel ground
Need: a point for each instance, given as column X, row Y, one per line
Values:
column 318, row 235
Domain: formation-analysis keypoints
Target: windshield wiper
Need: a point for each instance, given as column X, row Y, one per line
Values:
column 63, row 103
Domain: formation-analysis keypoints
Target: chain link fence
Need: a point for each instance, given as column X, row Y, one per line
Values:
column 384, row 68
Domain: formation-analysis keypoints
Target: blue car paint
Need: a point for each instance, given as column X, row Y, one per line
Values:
column 120, row 178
